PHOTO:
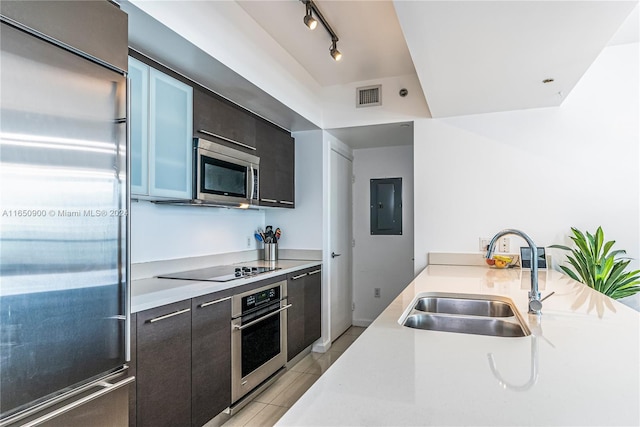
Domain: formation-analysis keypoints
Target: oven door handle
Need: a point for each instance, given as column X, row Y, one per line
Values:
column 253, row 322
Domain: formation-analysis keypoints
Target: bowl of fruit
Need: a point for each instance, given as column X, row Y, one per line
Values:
column 500, row 261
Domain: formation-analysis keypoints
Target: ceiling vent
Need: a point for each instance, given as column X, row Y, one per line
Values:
column 368, row 96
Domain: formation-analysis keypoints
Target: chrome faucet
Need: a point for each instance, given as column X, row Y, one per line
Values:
column 535, row 305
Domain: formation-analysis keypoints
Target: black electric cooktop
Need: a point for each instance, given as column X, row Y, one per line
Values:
column 223, row 273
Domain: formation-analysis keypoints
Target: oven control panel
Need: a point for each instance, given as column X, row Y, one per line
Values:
column 260, row 298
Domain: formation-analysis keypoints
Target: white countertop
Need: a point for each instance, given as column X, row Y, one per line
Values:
column 581, row 365
column 154, row 292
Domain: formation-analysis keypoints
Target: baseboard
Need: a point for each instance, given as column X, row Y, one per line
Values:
column 362, row 323
column 321, row 346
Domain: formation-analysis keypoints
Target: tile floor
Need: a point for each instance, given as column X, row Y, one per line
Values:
column 268, row 407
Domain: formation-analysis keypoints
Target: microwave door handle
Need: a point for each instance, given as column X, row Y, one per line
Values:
column 253, row 182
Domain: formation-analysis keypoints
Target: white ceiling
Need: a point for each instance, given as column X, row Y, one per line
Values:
column 470, row 56
column 485, row 56
column 371, row 40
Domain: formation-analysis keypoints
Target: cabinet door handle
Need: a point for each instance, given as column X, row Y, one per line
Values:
column 224, row 138
column 206, row 304
column 269, row 200
column 285, row 202
column 299, row 276
column 314, row 272
column 166, row 316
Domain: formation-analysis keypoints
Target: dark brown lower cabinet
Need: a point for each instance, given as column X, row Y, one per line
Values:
column 210, row 357
column 304, row 318
column 163, row 366
column 181, row 353
column 313, row 306
column 295, row 314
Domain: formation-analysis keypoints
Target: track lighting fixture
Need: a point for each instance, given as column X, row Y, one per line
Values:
column 335, row 53
column 310, row 22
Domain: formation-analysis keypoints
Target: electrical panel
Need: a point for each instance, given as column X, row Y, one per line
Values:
column 386, row 206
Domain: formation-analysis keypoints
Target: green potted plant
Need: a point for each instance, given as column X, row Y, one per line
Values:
column 598, row 267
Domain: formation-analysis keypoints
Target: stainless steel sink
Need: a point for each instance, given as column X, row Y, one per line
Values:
column 471, row 307
column 465, row 325
column 466, row 313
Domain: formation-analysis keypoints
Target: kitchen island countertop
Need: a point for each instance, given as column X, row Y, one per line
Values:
column 154, row 292
column 580, row 366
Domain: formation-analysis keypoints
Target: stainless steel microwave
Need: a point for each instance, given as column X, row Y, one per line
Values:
column 224, row 175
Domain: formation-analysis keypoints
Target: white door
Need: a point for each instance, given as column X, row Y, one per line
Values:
column 341, row 287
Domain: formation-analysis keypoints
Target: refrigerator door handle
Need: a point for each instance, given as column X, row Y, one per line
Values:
column 127, row 267
column 107, row 388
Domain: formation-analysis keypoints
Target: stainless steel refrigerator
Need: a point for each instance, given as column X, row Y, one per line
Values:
column 64, row 298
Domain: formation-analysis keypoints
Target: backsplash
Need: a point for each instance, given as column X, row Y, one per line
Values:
column 161, row 232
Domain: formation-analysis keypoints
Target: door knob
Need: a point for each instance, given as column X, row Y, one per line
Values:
column 333, row 254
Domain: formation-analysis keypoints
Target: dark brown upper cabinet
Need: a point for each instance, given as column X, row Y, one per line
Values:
column 221, row 121
column 218, row 120
column 276, row 149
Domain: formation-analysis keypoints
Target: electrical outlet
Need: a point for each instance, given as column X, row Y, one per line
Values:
column 248, row 241
column 505, row 244
column 483, row 244
column 376, row 292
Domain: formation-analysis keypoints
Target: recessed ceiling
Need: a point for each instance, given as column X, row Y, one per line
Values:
column 471, row 57
column 371, row 40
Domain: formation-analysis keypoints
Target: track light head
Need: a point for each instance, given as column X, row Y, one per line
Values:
column 309, row 20
column 335, row 53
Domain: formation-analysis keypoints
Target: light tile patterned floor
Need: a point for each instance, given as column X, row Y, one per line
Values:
column 268, row 407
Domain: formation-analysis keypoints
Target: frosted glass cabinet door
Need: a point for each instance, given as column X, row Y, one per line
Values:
column 170, row 136
column 139, row 125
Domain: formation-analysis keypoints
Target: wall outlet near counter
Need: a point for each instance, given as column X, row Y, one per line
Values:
column 503, row 245
column 248, row 241
column 376, row 292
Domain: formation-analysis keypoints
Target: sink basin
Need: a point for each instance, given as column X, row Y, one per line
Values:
column 466, row 314
column 466, row 325
column 472, row 307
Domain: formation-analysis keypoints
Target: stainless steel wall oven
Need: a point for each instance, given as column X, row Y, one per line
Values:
column 258, row 336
